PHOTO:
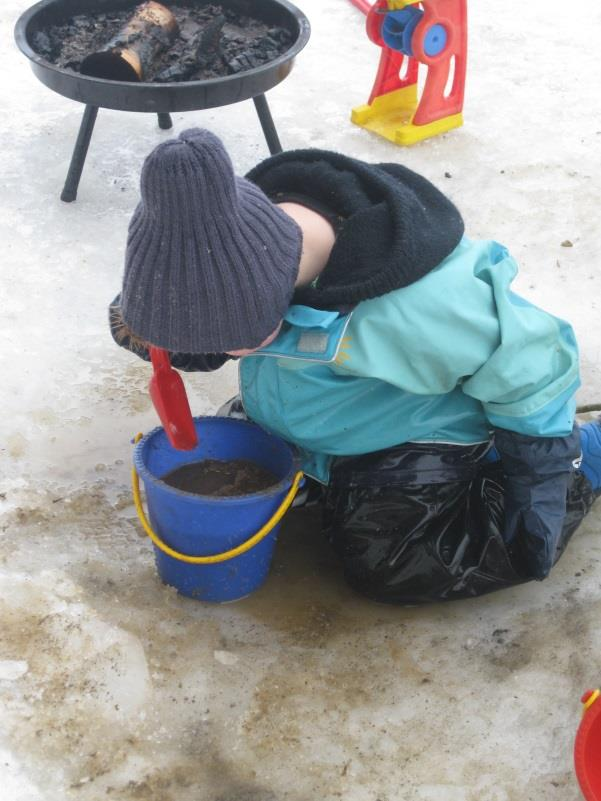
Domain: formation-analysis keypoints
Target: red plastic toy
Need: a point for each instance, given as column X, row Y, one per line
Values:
column 410, row 33
column 587, row 748
column 362, row 5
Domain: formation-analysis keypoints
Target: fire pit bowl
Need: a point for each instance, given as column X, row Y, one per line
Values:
column 159, row 98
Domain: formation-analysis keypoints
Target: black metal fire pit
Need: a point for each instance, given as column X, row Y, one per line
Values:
column 159, row 98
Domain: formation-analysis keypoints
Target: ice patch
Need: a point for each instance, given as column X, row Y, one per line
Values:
column 104, row 661
column 225, row 657
column 15, row 784
column 12, row 669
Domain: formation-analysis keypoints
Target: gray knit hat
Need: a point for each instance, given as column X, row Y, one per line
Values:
column 211, row 263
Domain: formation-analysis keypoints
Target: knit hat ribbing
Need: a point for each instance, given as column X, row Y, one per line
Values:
column 211, row 263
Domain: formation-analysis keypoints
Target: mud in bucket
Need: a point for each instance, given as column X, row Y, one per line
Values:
column 208, row 547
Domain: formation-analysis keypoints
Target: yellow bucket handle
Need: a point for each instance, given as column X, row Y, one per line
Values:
column 219, row 557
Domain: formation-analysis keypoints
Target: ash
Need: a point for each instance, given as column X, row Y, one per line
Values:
column 213, row 42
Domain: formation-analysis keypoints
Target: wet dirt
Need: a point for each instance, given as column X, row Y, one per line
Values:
column 220, row 478
column 213, row 41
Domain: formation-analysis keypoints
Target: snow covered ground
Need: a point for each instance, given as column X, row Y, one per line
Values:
column 112, row 686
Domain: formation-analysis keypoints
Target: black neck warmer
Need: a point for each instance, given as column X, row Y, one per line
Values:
column 395, row 225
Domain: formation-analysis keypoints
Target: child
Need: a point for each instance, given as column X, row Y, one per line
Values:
column 433, row 406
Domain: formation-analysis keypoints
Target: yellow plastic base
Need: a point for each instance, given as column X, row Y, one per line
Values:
column 394, row 5
column 391, row 116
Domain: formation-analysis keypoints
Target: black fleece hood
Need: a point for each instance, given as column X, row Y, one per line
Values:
column 395, row 225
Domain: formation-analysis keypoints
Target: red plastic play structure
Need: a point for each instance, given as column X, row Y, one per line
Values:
column 362, row 5
column 410, row 33
column 587, row 748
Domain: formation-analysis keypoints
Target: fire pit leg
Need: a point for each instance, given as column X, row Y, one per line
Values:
column 80, row 151
column 271, row 135
column 164, row 121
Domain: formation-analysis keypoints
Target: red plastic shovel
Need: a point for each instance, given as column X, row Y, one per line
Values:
column 169, row 397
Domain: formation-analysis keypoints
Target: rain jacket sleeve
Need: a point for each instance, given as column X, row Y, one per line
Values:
column 462, row 326
column 189, row 362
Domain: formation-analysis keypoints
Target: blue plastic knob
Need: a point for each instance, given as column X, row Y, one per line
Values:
column 435, row 40
column 398, row 27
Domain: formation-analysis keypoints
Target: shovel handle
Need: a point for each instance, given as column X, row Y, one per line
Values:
column 159, row 358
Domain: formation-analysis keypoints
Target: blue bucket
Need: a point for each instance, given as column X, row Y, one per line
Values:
column 185, row 526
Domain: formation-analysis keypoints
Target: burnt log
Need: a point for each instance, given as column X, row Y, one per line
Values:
column 206, row 53
column 209, row 46
column 129, row 55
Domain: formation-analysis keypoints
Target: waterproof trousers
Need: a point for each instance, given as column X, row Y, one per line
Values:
column 424, row 522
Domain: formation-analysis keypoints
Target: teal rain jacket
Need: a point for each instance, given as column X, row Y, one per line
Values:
column 446, row 359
